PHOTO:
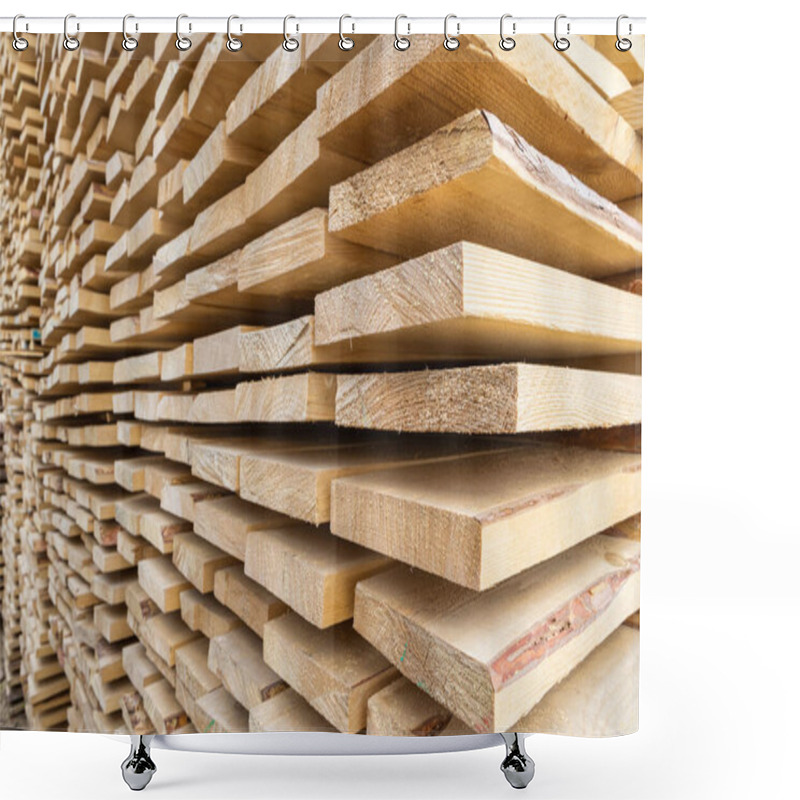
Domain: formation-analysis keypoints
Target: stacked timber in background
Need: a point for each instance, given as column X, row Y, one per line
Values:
column 320, row 385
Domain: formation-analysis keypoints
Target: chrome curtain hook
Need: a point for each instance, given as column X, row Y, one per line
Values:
column 561, row 43
column 19, row 43
column 233, row 44
column 290, row 43
column 182, row 42
column 506, row 42
column 345, row 42
column 623, row 45
column 70, row 42
column 401, row 42
column 450, row 42
column 128, row 42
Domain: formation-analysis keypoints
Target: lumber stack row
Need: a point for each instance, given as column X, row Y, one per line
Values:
column 322, row 405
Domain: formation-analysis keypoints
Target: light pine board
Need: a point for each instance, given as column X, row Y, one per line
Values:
column 486, row 656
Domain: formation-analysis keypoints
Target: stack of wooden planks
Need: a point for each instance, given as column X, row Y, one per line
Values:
column 321, row 385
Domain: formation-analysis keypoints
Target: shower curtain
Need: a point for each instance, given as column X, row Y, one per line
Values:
column 321, row 386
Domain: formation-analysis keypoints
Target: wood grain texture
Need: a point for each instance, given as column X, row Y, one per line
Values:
column 191, row 666
column 403, row 709
column 306, row 397
column 198, row 560
column 162, row 582
column 253, row 604
column 312, row 571
column 501, row 512
column 227, row 522
column 488, row 655
column 469, row 301
column 491, row 187
column 236, row 657
column 201, row 612
column 300, row 258
column 298, row 483
column 600, row 697
column 287, row 711
column 504, row 398
column 335, row 669
column 536, row 90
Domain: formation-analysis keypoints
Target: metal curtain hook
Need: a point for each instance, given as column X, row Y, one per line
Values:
column 506, row 42
column 19, row 43
column 401, row 42
column 128, row 42
column 181, row 42
column 623, row 45
column 233, row 44
column 70, row 42
column 561, row 43
column 345, row 42
column 450, row 42
column 290, row 43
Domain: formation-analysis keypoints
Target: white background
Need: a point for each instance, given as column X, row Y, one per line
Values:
column 719, row 686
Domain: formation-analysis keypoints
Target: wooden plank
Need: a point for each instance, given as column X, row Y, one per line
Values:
column 305, row 397
column 129, row 508
column 182, row 499
column 140, row 604
column 335, row 670
column 294, row 178
column 218, row 353
column 160, row 473
column 178, row 363
column 213, row 407
column 604, row 76
column 274, row 100
column 300, row 258
column 631, row 62
column 134, row 715
column 600, row 697
column 111, row 621
column 534, row 89
column 166, row 634
column 141, row 671
column 287, row 346
column 287, row 711
column 138, row 369
column 403, row 709
column 226, row 522
column 198, row 560
column 487, row 656
column 218, row 460
column 298, row 483
column 201, row 612
column 163, row 708
column 314, row 572
column 159, row 527
column 502, row 398
column 491, row 187
column 217, row 77
column 223, row 713
column 110, row 588
column 220, row 165
column 109, row 695
column 253, row 604
column 236, row 657
column 133, row 548
column 162, row 582
column 629, row 106
column 468, row 301
column 191, row 665
column 502, row 511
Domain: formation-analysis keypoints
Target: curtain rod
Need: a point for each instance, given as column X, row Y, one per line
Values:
column 407, row 25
